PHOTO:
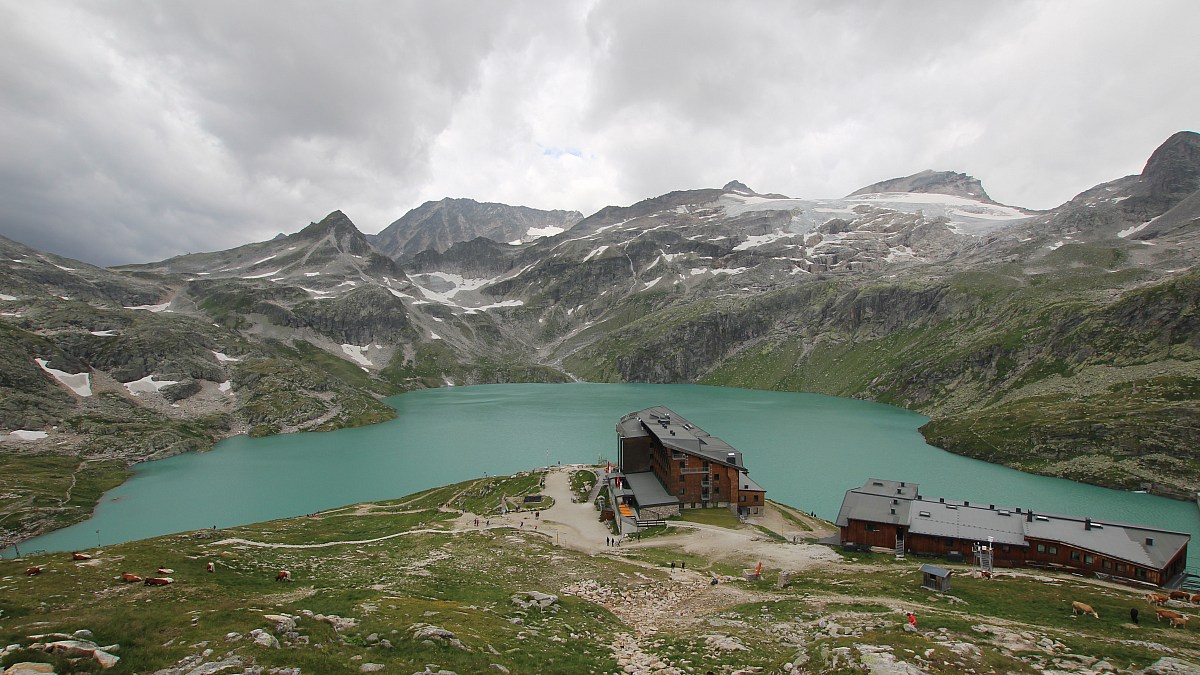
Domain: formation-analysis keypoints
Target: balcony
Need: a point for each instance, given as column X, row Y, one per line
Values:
column 693, row 471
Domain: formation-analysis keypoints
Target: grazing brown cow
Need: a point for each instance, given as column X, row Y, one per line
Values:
column 130, row 578
column 1078, row 608
column 1196, row 598
column 80, row 556
column 1168, row 614
column 1157, row 598
column 1180, row 595
column 159, row 581
column 283, row 575
column 211, row 567
column 1180, row 622
column 34, row 571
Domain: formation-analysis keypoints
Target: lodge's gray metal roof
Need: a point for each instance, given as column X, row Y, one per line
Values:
column 647, row 490
column 935, row 571
column 960, row 521
column 873, row 508
column 876, row 500
column 631, row 427
column 678, row 434
column 745, row 482
column 1115, row 540
column 889, row 488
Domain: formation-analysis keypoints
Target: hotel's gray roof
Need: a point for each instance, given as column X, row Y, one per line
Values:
column 966, row 522
column 745, row 482
column 1116, row 540
column 875, row 508
column 678, row 434
column 876, row 500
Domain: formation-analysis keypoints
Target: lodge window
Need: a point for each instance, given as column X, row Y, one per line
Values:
column 872, row 527
column 1088, row 560
column 1120, row 567
column 948, row 542
column 1053, row 550
column 1140, row 573
column 757, row 497
column 743, row 498
column 1041, row 548
column 1106, row 564
column 1075, row 556
column 706, row 465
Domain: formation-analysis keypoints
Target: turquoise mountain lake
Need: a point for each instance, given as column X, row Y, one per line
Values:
column 805, row 449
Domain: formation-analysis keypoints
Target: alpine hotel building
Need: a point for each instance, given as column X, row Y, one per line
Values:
column 671, row 463
column 895, row 515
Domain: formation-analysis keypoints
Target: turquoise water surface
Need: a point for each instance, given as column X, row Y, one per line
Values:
column 805, row 449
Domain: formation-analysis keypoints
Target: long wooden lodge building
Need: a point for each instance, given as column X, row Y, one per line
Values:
column 667, row 463
column 895, row 515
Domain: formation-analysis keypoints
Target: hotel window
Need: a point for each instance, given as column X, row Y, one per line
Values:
column 717, row 489
column 680, row 490
column 681, row 479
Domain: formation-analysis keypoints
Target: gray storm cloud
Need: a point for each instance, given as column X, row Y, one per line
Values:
column 137, row 131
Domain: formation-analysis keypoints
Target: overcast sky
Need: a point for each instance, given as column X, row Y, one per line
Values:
column 134, row 131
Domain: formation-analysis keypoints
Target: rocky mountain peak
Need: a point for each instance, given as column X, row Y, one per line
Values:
column 1174, row 168
column 738, row 186
column 930, row 181
column 441, row 224
column 336, row 223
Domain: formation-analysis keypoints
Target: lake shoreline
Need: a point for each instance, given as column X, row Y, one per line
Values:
column 724, row 406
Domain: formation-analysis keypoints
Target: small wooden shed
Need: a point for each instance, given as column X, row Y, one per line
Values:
column 935, row 578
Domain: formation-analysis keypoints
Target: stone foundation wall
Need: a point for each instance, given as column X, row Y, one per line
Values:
column 658, row 512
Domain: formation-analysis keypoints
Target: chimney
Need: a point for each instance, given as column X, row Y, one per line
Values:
column 901, row 483
column 941, row 500
column 1087, row 524
column 1029, row 516
column 992, row 507
column 966, row 503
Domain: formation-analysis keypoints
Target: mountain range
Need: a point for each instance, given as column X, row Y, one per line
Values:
column 1063, row 342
